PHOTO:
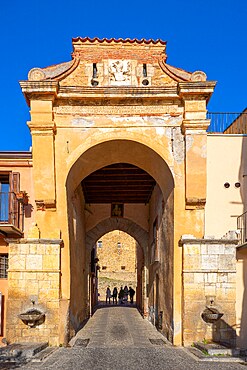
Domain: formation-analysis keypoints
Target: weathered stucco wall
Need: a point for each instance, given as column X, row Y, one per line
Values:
column 226, row 163
column 160, row 264
column 79, row 262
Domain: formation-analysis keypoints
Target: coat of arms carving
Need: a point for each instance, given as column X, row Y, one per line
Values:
column 119, row 72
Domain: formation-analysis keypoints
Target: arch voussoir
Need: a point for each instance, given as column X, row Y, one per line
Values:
column 122, row 224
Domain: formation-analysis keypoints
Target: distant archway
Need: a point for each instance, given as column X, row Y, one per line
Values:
column 122, row 224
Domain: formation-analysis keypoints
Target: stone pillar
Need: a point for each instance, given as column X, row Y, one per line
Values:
column 195, row 95
column 34, row 282
column 43, row 129
column 209, row 280
column 41, row 95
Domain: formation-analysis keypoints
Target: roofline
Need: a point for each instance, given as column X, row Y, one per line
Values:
column 111, row 40
column 15, row 155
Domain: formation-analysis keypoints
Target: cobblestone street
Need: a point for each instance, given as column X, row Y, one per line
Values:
column 119, row 338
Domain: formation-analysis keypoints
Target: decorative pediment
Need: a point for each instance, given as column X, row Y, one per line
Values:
column 111, row 64
column 55, row 72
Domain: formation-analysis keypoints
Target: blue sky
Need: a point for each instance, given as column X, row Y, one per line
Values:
column 201, row 35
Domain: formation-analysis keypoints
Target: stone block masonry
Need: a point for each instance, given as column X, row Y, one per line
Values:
column 34, row 282
column 209, row 280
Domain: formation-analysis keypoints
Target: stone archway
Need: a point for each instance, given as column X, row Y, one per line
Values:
column 138, row 222
column 123, row 148
column 141, row 237
column 110, row 224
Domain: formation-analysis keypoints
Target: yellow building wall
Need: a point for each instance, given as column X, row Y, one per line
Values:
column 226, row 163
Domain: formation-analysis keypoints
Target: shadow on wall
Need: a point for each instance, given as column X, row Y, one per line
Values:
column 28, row 209
column 224, row 334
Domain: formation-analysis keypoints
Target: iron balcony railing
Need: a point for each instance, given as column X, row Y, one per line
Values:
column 11, row 210
column 220, row 122
column 242, row 227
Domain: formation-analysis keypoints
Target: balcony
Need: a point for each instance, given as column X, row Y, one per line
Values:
column 228, row 123
column 11, row 215
column 242, row 227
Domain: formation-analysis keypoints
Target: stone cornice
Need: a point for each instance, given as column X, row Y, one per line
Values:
column 41, row 128
column 39, row 86
column 51, row 89
column 196, row 88
column 192, row 125
column 34, row 241
column 34, row 89
column 191, row 240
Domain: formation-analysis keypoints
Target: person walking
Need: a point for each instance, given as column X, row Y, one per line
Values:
column 121, row 295
column 108, row 295
column 131, row 293
column 126, row 292
column 114, row 295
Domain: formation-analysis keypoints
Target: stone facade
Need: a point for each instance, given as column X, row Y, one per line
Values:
column 209, row 280
column 117, row 101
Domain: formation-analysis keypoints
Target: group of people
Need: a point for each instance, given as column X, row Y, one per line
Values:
column 122, row 295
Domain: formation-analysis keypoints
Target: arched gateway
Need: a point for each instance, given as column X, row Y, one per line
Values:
column 116, row 128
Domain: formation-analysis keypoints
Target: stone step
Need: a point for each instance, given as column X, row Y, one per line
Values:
column 42, row 355
column 21, row 351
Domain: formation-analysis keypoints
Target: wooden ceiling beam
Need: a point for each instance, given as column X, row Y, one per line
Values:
column 118, row 183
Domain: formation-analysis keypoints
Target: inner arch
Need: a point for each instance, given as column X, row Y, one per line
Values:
column 122, row 224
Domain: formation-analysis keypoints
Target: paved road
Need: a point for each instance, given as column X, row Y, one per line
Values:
column 119, row 338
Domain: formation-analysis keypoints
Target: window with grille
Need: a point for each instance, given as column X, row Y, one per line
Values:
column 4, row 264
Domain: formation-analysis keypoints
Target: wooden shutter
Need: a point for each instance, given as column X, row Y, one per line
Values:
column 14, row 206
column 14, row 181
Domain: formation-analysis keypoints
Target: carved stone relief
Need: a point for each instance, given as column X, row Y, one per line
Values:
column 36, row 74
column 198, row 76
column 119, row 72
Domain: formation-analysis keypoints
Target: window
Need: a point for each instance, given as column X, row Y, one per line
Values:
column 144, row 70
column 100, row 244
column 103, row 267
column 4, row 264
column 122, row 267
column 118, row 244
column 4, row 197
column 95, row 70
